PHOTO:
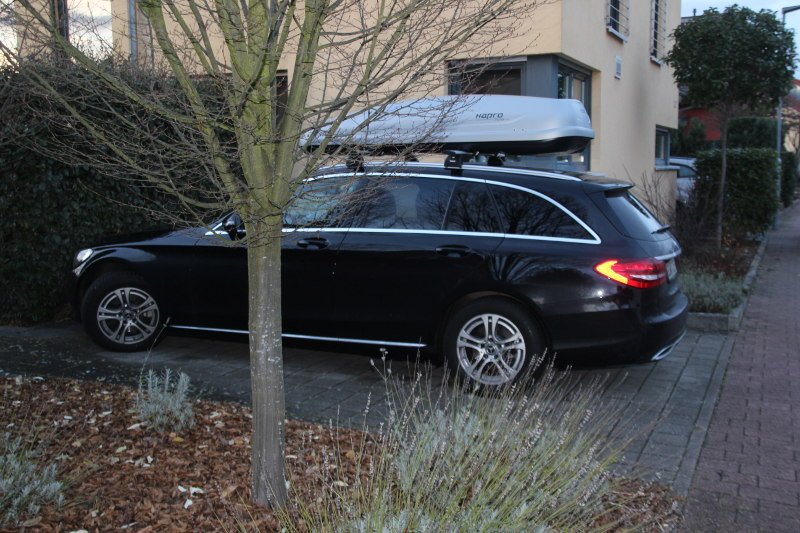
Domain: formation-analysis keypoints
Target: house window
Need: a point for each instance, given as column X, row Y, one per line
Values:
column 658, row 29
column 617, row 18
column 486, row 79
column 282, row 95
column 574, row 84
column 662, row 146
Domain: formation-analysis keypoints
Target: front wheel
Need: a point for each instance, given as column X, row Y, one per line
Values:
column 492, row 341
column 120, row 313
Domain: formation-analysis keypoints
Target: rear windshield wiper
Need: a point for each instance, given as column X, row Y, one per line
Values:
column 662, row 229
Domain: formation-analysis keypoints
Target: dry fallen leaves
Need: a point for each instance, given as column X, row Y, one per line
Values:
column 125, row 475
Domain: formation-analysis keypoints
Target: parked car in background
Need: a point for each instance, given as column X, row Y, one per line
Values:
column 687, row 175
column 488, row 266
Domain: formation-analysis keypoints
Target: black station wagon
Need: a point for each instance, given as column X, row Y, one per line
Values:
column 488, row 266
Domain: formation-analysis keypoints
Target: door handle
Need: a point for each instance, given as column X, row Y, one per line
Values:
column 455, row 251
column 313, row 242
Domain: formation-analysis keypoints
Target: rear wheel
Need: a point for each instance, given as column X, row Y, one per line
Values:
column 121, row 313
column 492, row 341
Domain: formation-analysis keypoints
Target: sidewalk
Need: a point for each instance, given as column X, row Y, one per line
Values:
column 748, row 474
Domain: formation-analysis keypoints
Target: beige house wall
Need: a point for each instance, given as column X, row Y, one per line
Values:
column 624, row 111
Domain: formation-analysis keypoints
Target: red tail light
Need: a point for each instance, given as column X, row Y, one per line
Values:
column 639, row 273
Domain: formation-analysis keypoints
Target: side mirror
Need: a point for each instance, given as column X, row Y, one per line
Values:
column 234, row 227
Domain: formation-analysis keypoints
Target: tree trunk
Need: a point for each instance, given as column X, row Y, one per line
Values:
column 723, row 180
column 266, row 361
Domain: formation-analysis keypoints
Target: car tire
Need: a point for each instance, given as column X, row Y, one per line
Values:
column 121, row 313
column 491, row 342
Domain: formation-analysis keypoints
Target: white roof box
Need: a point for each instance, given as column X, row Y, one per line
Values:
column 515, row 125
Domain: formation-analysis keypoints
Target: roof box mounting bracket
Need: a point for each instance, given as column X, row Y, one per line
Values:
column 355, row 161
column 456, row 158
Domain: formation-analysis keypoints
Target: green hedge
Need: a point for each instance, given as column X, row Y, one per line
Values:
column 789, row 162
column 752, row 132
column 49, row 211
column 51, row 207
column 750, row 200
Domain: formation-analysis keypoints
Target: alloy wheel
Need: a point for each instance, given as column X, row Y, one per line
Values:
column 491, row 349
column 128, row 315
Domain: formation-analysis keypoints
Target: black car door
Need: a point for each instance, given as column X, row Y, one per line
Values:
column 311, row 237
column 414, row 243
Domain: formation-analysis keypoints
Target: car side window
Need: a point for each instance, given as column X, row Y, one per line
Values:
column 319, row 203
column 401, row 203
column 472, row 209
column 523, row 213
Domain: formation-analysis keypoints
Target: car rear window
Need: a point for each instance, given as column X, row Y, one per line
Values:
column 636, row 220
column 524, row 213
column 472, row 209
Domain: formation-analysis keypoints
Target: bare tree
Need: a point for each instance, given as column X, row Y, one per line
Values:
column 210, row 115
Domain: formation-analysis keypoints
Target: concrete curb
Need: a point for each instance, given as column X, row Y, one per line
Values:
column 723, row 323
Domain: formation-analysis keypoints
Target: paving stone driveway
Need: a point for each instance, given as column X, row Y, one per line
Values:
column 668, row 403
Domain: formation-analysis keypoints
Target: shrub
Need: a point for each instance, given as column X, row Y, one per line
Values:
column 789, row 163
column 50, row 211
column 688, row 140
column 752, row 132
column 532, row 457
column 24, row 485
column 164, row 402
column 750, row 200
column 711, row 293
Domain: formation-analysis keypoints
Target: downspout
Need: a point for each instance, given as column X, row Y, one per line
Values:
column 133, row 30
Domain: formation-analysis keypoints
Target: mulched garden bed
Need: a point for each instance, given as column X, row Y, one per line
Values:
column 733, row 260
column 120, row 474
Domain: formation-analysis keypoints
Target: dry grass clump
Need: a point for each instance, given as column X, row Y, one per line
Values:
column 532, row 457
column 711, row 292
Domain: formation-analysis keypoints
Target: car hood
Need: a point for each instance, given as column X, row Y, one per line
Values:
column 156, row 236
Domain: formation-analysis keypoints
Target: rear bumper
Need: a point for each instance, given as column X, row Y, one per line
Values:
column 623, row 335
column 663, row 332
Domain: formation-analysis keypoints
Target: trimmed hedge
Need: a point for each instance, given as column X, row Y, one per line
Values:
column 51, row 207
column 49, row 211
column 750, row 201
column 789, row 162
column 752, row 132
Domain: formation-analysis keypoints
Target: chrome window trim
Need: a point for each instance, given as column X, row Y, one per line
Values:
column 595, row 238
column 438, row 232
column 308, row 337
